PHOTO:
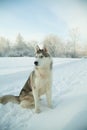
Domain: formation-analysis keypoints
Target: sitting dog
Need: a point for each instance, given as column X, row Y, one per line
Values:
column 38, row 83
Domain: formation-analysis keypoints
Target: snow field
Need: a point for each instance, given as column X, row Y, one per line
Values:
column 69, row 90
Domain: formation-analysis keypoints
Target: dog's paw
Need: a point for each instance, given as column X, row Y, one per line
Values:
column 37, row 111
column 50, row 106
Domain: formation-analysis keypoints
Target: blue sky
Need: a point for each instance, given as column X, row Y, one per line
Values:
column 35, row 19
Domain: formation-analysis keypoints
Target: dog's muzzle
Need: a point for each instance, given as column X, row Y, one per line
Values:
column 36, row 63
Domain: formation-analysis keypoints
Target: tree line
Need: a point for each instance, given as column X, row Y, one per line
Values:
column 55, row 45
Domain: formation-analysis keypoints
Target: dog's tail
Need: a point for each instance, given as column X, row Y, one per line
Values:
column 9, row 98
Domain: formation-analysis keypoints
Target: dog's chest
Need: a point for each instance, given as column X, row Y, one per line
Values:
column 43, row 78
column 42, row 81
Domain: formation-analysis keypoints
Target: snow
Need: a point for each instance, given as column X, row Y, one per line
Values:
column 69, row 89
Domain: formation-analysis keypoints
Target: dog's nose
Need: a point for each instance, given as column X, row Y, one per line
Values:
column 36, row 62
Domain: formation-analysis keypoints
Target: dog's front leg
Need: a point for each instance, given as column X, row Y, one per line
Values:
column 36, row 100
column 49, row 97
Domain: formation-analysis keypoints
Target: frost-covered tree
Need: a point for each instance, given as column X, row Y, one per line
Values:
column 54, row 45
column 74, row 38
column 21, row 48
column 4, row 46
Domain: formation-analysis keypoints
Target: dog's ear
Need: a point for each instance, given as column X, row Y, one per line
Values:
column 37, row 48
column 45, row 49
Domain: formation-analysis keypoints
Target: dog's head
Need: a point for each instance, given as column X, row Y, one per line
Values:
column 43, row 58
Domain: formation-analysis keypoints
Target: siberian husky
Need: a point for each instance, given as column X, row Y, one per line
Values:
column 38, row 83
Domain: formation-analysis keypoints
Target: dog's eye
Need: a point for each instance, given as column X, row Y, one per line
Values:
column 41, row 56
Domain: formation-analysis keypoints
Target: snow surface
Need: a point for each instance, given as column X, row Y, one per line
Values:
column 69, row 98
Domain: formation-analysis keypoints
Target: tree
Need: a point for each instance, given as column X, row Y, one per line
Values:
column 74, row 38
column 20, row 43
column 54, row 45
column 4, row 46
column 20, row 46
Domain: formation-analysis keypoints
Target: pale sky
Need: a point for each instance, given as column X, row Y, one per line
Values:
column 35, row 19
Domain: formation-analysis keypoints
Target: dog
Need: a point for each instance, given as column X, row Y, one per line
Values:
column 38, row 83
